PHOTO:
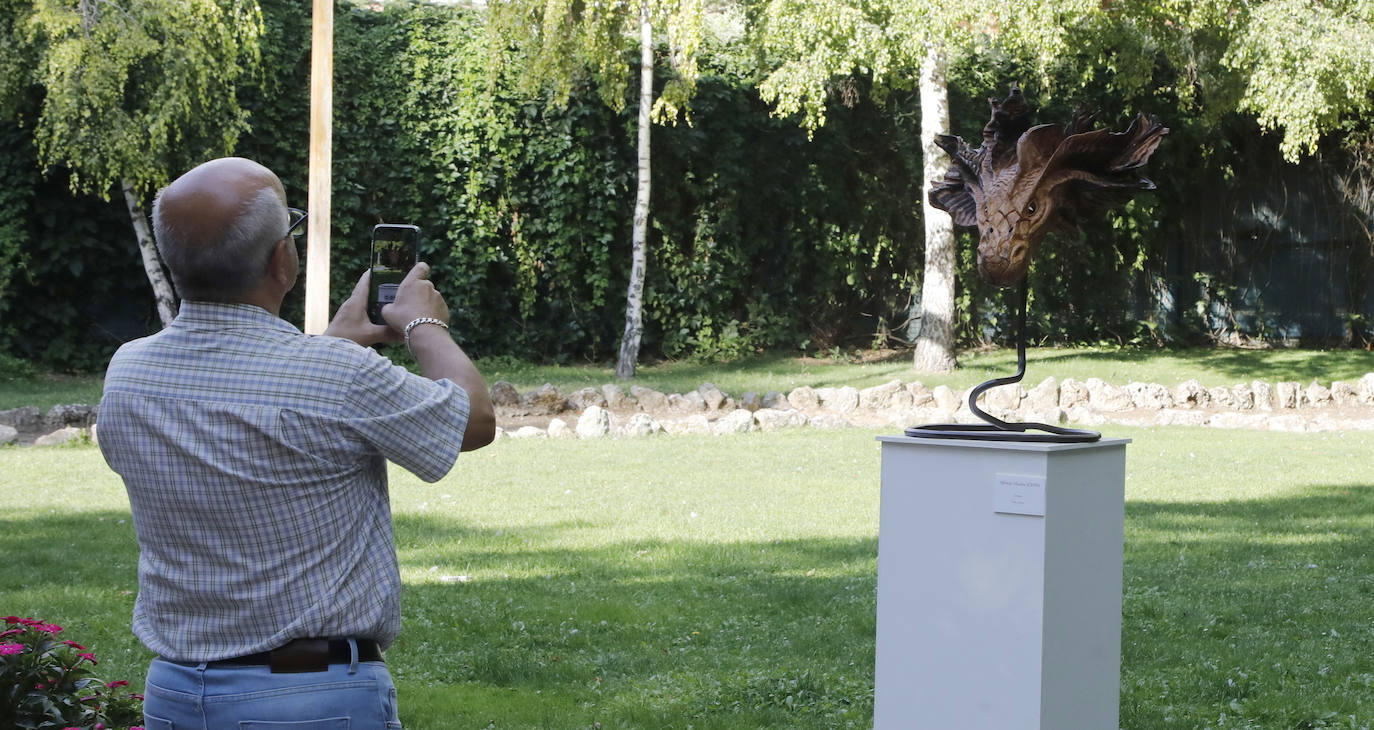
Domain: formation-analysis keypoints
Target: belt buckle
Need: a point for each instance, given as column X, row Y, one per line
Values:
column 300, row 656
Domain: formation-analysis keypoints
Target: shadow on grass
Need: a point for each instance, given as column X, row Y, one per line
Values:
column 641, row 633
column 1254, row 609
column 529, row 633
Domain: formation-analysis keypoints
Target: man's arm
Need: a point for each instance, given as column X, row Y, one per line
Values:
column 438, row 355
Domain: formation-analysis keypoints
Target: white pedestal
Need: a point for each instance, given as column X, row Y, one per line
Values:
column 991, row 619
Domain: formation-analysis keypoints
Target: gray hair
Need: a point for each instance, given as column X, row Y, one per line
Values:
column 231, row 264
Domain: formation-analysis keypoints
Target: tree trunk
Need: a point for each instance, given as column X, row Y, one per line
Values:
column 163, row 294
column 935, row 346
column 634, row 300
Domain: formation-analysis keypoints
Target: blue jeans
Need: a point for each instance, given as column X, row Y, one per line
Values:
column 358, row 696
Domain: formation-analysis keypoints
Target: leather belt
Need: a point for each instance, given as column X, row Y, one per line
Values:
column 308, row 655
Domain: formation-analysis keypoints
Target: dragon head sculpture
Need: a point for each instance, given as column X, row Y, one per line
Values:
column 1025, row 181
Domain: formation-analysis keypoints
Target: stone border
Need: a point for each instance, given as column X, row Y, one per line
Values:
column 610, row 411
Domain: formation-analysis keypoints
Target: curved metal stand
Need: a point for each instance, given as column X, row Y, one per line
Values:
column 996, row 429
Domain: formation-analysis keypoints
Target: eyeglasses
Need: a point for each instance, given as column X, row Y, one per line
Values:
column 296, row 228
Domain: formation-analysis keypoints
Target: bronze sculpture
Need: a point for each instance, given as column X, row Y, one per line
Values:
column 1021, row 184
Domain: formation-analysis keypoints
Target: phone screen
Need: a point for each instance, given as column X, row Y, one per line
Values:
column 395, row 251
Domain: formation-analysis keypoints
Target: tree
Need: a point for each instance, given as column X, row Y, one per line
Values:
column 894, row 41
column 139, row 90
column 562, row 42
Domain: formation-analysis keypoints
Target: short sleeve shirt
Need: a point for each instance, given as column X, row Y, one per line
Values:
column 255, row 461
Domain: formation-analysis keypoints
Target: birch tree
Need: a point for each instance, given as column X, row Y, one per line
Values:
column 561, row 42
column 137, row 91
column 895, row 41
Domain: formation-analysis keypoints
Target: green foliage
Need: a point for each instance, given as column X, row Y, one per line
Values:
column 766, row 234
column 557, row 46
column 1309, row 66
column 140, row 90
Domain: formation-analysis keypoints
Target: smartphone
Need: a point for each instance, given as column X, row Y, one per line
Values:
column 395, row 251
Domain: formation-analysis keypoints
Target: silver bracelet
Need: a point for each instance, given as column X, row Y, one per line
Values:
column 419, row 321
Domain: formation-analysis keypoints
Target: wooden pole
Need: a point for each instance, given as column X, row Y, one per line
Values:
column 321, row 157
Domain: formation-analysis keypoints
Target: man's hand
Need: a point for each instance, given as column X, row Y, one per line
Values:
column 351, row 321
column 416, row 297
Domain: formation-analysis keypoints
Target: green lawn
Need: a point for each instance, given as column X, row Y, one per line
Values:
column 730, row 582
column 783, row 372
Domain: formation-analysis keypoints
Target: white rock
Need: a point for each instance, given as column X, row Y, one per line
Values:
column 1103, row 396
column 1053, row 415
column 1243, row 396
column 946, row 399
column 1366, row 388
column 689, row 402
column 772, row 419
column 615, row 397
column 1072, row 394
column 739, row 420
column 59, row 437
column 1344, row 394
column 841, row 400
column 1044, row 396
column 642, row 424
column 528, row 432
column 1222, row 396
column 1150, row 396
column 713, row 397
column 594, row 422
column 1317, row 396
column 920, row 394
column 880, row 397
column 804, row 398
column 1288, row 394
column 1003, row 398
column 8, row 434
column 775, row 400
column 1191, row 394
column 648, row 398
column 559, row 429
column 697, row 423
column 1264, row 395
column 580, row 399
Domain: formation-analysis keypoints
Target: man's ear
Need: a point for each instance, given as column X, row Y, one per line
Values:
column 284, row 266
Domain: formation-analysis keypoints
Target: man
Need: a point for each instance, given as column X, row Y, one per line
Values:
column 255, row 461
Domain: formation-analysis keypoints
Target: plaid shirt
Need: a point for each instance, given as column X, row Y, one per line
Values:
column 255, row 461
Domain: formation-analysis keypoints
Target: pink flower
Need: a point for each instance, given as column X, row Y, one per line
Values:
column 11, row 632
column 6, row 649
column 74, row 645
column 89, row 657
column 120, row 683
column 11, row 619
column 140, row 699
column 46, row 628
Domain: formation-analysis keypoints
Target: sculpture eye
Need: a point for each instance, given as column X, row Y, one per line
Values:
column 1030, row 208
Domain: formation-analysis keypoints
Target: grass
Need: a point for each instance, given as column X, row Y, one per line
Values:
column 730, row 582
column 783, row 372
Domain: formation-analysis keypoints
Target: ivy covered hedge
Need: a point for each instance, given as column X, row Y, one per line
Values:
column 761, row 237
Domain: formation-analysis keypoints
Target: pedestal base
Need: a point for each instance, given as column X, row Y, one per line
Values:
column 999, row 585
